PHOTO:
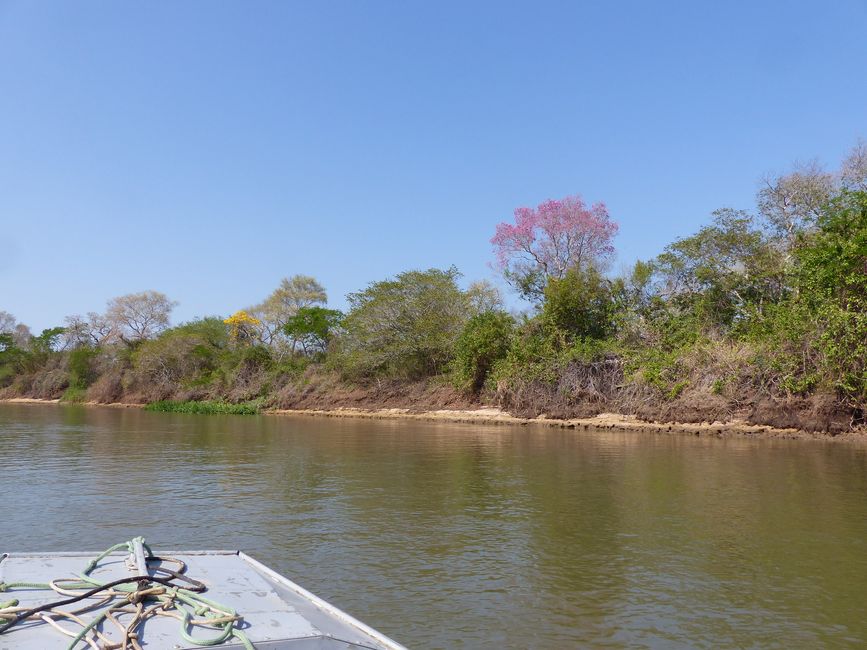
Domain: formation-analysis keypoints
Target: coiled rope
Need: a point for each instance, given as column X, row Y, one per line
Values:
column 137, row 597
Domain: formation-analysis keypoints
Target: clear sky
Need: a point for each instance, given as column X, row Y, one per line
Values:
column 207, row 149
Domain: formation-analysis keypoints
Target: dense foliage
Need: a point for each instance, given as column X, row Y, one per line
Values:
column 484, row 341
column 830, row 298
column 761, row 315
column 404, row 327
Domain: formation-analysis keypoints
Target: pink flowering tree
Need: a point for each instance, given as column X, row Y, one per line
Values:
column 548, row 241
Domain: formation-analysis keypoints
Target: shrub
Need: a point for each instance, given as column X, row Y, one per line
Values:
column 580, row 304
column 74, row 395
column 82, row 372
column 108, row 388
column 180, row 357
column 49, row 384
column 484, row 340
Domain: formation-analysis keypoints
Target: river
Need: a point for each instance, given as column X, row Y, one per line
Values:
column 468, row 536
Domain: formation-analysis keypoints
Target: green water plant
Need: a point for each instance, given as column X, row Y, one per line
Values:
column 204, row 407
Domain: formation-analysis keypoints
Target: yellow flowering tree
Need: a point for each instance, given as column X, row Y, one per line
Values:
column 242, row 326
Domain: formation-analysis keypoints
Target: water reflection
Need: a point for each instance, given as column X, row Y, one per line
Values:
column 467, row 536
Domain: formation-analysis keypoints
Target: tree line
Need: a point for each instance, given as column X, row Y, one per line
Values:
column 760, row 314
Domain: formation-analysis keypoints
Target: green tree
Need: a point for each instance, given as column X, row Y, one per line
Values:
column 10, row 358
column 724, row 273
column 484, row 340
column 312, row 328
column 831, row 278
column 582, row 304
column 404, row 327
column 41, row 348
column 285, row 301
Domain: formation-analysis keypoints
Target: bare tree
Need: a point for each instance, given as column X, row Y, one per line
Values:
column 138, row 316
column 21, row 334
column 293, row 294
column 791, row 203
column 93, row 330
column 853, row 172
column 484, row 297
column 7, row 322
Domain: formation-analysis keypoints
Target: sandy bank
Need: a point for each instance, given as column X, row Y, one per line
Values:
column 604, row 421
column 33, row 400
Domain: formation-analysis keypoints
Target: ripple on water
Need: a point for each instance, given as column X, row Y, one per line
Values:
column 471, row 536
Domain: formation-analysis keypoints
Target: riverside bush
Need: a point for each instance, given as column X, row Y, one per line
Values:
column 483, row 342
column 82, row 370
column 74, row 395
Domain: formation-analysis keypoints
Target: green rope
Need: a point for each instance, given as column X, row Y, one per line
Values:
column 217, row 640
column 188, row 603
column 195, row 599
column 6, row 586
column 243, row 639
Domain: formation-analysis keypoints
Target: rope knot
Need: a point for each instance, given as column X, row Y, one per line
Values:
column 140, row 593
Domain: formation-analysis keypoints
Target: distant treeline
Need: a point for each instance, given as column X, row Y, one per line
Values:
column 761, row 315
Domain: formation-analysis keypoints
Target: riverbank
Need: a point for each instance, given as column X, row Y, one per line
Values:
column 603, row 421
column 496, row 416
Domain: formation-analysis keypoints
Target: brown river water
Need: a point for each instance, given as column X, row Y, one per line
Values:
column 471, row 536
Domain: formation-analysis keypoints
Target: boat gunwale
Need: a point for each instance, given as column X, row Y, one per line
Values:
column 321, row 603
column 21, row 554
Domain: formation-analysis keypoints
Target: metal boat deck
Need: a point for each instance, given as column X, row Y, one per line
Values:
column 277, row 613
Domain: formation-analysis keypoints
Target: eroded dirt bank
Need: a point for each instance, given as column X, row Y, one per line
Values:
column 604, row 421
column 496, row 416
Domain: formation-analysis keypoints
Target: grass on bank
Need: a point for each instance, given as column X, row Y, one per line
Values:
column 74, row 395
column 203, row 408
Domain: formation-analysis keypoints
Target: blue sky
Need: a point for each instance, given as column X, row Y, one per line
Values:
column 207, row 149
